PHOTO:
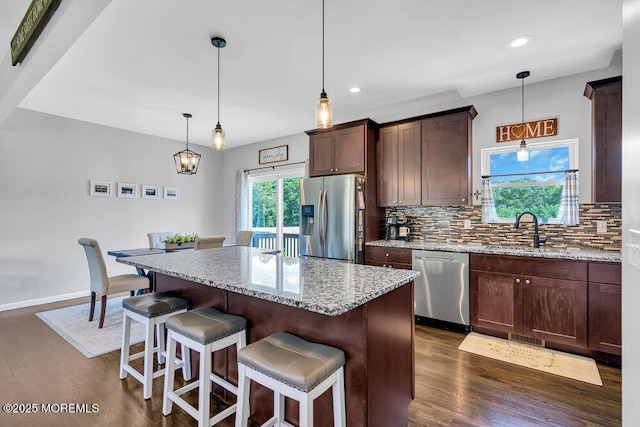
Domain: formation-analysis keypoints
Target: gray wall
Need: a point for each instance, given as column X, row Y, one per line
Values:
column 47, row 163
column 630, row 213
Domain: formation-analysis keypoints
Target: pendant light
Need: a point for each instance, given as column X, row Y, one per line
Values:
column 523, row 154
column 324, row 112
column 187, row 161
column 217, row 141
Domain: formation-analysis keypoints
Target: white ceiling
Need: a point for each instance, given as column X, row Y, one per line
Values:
column 142, row 63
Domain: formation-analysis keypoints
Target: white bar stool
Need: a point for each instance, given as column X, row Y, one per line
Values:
column 205, row 330
column 152, row 310
column 295, row 368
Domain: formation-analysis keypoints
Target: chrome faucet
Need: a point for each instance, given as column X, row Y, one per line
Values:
column 536, row 236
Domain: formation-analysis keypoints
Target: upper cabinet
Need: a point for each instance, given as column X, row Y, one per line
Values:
column 399, row 165
column 341, row 149
column 426, row 160
column 446, row 158
column 350, row 148
column 606, row 136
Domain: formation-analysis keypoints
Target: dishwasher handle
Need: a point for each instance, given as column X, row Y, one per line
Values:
column 428, row 258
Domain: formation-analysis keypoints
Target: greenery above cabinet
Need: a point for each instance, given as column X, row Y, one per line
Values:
column 426, row 160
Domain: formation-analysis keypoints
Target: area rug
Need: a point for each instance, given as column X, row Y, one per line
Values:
column 72, row 324
column 550, row 361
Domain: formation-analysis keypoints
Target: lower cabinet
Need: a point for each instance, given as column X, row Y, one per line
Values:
column 537, row 298
column 567, row 302
column 605, row 307
column 388, row 257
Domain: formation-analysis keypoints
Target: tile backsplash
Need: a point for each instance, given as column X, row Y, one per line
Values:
column 446, row 224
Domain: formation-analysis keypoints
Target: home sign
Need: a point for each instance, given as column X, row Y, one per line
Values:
column 534, row 129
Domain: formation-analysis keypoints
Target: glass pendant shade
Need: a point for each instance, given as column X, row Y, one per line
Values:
column 217, row 141
column 522, row 154
column 324, row 112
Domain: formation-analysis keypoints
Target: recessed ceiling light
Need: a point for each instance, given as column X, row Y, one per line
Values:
column 519, row 41
column 354, row 90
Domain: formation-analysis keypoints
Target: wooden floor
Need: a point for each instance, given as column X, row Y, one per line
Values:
column 452, row 387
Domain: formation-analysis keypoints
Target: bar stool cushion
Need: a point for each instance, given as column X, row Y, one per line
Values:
column 154, row 304
column 205, row 325
column 294, row 361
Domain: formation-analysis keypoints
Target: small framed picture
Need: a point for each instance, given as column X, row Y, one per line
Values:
column 171, row 193
column 150, row 192
column 127, row 190
column 100, row 188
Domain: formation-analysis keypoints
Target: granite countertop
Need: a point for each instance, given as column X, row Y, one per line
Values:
column 580, row 255
column 322, row 286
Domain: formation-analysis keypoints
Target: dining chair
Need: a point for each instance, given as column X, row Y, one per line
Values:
column 244, row 237
column 209, row 242
column 103, row 285
column 156, row 240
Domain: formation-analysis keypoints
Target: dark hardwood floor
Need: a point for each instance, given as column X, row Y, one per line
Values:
column 452, row 387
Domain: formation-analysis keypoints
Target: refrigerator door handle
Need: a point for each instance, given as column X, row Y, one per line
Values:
column 325, row 214
column 320, row 218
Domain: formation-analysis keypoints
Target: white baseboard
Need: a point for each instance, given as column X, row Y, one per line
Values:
column 46, row 300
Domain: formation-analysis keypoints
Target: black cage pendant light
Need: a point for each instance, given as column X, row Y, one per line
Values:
column 523, row 154
column 217, row 141
column 324, row 111
column 187, row 161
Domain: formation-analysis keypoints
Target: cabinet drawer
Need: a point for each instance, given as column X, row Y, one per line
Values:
column 400, row 265
column 527, row 266
column 388, row 255
column 605, row 273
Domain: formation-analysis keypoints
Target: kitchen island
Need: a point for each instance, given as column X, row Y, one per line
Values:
column 365, row 311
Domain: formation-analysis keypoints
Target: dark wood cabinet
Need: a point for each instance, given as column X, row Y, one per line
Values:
column 337, row 152
column 539, row 298
column 398, row 159
column 388, row 257
column 446, row 158
column 605, row 307
column 350, row 148
column 606, row 136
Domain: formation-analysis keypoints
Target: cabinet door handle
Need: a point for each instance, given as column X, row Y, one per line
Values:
column 331, row 169
column 527, row 282
column 400, row 202
column 386, row 254
column 517, row 281
column 464, row 200
column 384, row 265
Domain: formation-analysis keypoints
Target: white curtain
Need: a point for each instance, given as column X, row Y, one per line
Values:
column 569, row 203
column 488, row 206
column 242, row 201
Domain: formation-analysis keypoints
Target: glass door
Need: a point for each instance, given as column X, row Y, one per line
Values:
column 274, row 209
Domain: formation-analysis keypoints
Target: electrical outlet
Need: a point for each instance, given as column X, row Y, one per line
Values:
column 601, row 226
column 467, row 224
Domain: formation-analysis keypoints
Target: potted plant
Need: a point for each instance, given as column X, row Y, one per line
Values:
column 180, row 241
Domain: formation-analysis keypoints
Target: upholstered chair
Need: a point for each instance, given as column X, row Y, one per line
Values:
column 244, row 237
column 103, row 285
column 209, row 242
column 156, row 240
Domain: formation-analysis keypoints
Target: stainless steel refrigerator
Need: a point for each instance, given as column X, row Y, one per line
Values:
column 332, row 217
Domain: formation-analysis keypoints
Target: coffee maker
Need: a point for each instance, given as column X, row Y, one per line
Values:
column 396, row 228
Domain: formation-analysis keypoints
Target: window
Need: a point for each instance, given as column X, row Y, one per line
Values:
column 274, row 209
column 534, row 185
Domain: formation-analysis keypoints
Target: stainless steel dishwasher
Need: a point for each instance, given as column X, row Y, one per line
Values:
column 442, row 290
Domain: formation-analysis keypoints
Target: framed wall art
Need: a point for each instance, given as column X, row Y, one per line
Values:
column 273, row 154
column 127, row 190
column 150, row 192
column 172, row 193
column 100, row 188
